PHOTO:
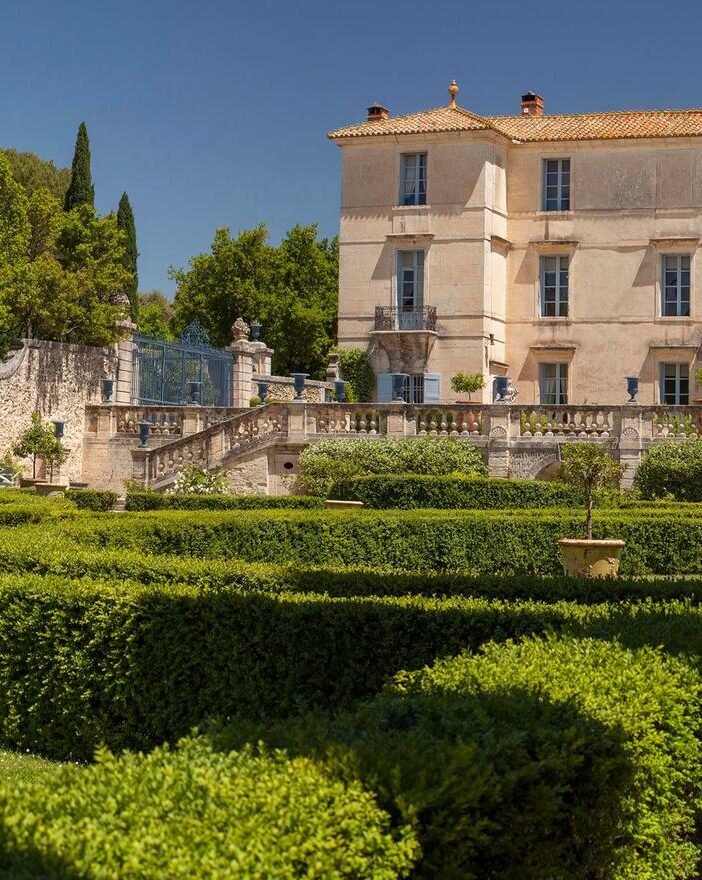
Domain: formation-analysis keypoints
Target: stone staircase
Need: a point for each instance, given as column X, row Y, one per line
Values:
column 215, row 446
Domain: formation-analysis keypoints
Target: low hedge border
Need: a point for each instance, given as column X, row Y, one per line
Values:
column 407, row 491
column 495, row 542
column 191, row 812
column 36, row 550
column 142, row 501
column 131, row 666
column 92, row 499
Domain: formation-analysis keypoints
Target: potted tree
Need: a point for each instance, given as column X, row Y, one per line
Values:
column 589, row 467
column 467, row 383
column 40, row 441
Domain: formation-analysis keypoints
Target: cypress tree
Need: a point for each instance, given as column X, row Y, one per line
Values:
column 125, row 222
column 80, row 190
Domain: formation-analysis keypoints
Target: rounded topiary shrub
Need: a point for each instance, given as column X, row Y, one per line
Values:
column 194, row 812
column 671, row 468
column 333, row 461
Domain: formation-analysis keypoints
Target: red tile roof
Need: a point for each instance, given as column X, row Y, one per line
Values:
column 534, row 129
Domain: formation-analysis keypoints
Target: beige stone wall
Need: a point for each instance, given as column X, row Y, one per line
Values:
column 281, row 388
column 483, row 232
column 57, row 381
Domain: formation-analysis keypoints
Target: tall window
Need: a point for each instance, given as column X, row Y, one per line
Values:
column 410, row 286
column 676, row 285
column 554, row 287
column 413, row 179
column 553, row 384
column 413, row 390
column 556, row 184
column 675, row 384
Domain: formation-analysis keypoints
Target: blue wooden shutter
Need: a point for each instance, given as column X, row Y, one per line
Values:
column 383, row 388
column 432, row 388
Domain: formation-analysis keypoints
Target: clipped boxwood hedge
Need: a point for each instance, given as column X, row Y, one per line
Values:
column 455, row 491
column 140, row 501
column 556, row 758
column 84, row 663
column 658, row 541
column 92, row 499
column 671, row 468
column 192, row 812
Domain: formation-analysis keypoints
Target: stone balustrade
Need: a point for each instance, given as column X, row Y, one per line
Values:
column 518, row 440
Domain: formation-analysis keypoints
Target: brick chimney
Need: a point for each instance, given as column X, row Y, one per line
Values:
column 376, row 112
column 532, row 104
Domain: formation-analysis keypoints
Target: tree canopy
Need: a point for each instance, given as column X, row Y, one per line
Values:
column 290, row 289
column 34, row 173
column 155, row 315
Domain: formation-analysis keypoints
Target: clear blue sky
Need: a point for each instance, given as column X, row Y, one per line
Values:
column 215, row 113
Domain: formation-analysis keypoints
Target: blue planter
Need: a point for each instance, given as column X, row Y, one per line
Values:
column 144, row 428
column 58, row 428
column 502, row 383
column 262, row 391
column 398, row 387
column 255, row 331
column 108, row 386
column 632, row 388
column 299, row 384
column 195, row 393
column 340, row 390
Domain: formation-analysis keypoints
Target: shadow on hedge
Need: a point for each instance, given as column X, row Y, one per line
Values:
column 30, row 864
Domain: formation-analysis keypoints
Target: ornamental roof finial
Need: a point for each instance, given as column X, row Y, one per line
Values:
column 453, row 91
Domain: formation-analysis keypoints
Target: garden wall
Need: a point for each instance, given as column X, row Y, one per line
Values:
column 57, row 381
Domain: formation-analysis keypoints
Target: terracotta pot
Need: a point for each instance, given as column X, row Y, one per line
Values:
column 591, row 559
column 56, row 489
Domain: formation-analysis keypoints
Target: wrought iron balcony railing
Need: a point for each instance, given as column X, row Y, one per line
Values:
column 392, row 318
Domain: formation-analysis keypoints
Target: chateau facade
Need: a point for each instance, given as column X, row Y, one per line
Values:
column 560, row 251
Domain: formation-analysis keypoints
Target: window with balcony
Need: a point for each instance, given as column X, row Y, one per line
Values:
column 553, row 384
column 556, row 186
column 413, row 179
column 410, row 288
column 676, row 285
column 675, row 384
column 554, row 287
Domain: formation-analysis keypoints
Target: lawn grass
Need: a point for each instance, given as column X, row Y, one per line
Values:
column 23, row 767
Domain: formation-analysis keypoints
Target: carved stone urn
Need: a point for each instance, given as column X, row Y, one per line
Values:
column 591, row 558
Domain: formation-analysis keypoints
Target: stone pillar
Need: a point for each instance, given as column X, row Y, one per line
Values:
column 498, row 440
column 262, row 358
column 630, row 444
column 242, row 364
column 125, row 363
column 396, row 420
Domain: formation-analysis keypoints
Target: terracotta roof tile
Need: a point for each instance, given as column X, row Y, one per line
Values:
column 438, row 119
column 525, row 129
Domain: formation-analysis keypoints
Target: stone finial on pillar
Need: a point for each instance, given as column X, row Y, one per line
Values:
column 240, row 330
column 334, row 367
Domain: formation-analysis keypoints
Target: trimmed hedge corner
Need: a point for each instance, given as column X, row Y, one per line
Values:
column 192, row 812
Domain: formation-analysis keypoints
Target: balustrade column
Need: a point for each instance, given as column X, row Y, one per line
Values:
column 630, row 443
column 499, row 422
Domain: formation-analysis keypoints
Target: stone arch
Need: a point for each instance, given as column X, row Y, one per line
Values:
column 535, row 465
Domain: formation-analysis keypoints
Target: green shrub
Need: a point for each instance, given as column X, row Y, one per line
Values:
column 140, row 501
column 358, row 372
column 556, row 758
column 131, row 666
column 92, row 499
column 671, row 468
column 192, row 812
column 331, row 461
column 496, row 542
column 455, row 491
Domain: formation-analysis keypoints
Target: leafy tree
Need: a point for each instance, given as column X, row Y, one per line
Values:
column 467, row 383
column 35, row 173
column 40, row 441
column 14, row 223
column 125, row 222
column 44, row 212
column 589, row 467
column 155, row 315
column 80, row 190
column 226, row 283
column 292, row 289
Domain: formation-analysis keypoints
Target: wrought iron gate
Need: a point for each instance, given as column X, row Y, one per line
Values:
column 164, row 371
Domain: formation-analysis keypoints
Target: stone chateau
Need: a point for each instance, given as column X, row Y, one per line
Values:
column 558, row 250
